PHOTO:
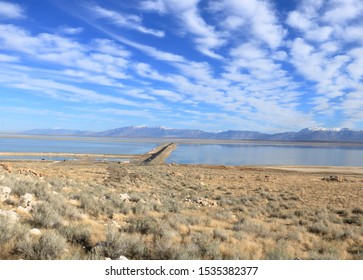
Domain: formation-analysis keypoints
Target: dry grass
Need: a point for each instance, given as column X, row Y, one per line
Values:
column 180, row 212
column 48, row 246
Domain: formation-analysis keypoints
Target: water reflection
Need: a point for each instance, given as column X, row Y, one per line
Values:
column 73, row 145
column 253, row 154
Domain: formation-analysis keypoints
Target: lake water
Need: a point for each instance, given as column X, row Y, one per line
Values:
column 188, row 153
column 261, row 154
column 73, row 145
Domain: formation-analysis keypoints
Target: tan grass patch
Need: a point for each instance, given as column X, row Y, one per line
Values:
column 258, row 213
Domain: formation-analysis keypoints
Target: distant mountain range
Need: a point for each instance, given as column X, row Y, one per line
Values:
column 308, row 134
column 56, row 131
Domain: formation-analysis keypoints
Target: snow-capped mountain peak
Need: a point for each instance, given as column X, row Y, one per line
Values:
column 307, row 134
column 318, row 128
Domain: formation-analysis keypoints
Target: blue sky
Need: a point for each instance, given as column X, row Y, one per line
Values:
column 215, row 65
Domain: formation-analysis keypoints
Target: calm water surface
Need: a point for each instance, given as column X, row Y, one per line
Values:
column 74, row 145
column 260, row 154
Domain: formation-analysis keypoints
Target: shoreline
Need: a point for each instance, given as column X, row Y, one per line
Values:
column 180, row 140
column 138, row 159
column 159, row 154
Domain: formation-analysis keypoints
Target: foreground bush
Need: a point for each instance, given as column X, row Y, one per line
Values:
column 46, row 215
column 119, row 244
column 8, row 229
column 48, row 246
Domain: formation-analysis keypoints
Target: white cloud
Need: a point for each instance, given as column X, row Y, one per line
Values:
column 301, row 52
column 35, row 111
column 109, row 47
column 256, row 86
column 147, row 71
column 153, row 5
column 8, row 58
column 79, row 76
column 330, row 47
column 251, row 58
column 124, row 20
column 353, row 33
column 329, row 54
column 138, row 93
column 341, row 11
column 122, row 112
column 325, row 69
column 11, row 11
column 151, row 51
column 252, row 18
column 352, row 108
column 248, row 51
column 319, row 34
column 355, row 68
column 168, row 94
column 102, row 62
column 233, row 22
column 106, row 60
column 17, row 39
column 207, row 39
column 70, row 30
column 93, row 118
column 280, row 55
column 334, row 19
column 201, row 72
column 298, row 20
column 67, row 92
column 265, row 86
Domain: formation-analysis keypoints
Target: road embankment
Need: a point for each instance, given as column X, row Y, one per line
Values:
column 159, row 154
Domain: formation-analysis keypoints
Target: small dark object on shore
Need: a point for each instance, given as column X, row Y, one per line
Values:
column 333, row 178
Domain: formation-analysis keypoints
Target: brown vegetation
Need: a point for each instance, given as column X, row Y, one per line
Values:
column 86, row 210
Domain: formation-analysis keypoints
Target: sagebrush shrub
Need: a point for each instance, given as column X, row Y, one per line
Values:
column 45, row 215
column 119, row 244
column 48, row 246
column 8, row 229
